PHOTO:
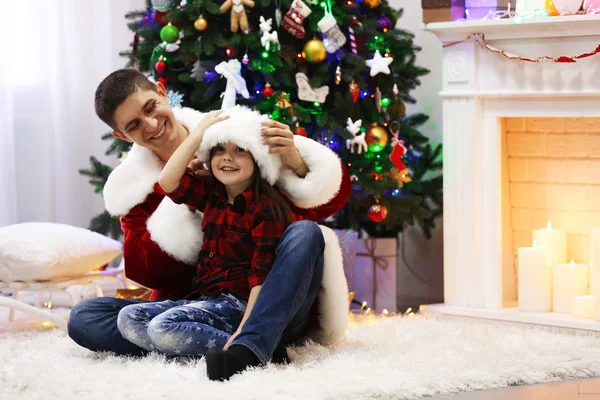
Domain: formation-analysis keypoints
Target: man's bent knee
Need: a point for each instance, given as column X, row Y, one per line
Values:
column 306, row 232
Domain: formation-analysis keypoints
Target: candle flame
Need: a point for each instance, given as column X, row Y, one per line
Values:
column 509, row 6
column 549, row 225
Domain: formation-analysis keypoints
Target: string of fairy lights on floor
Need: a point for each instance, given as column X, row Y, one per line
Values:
column 366, row 310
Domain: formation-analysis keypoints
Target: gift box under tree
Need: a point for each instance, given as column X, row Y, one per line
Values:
column 442, row 10
column 480, row 9
column 374, row 277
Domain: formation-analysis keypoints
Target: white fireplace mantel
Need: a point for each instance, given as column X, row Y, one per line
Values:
column 574, row 25
column 480, row 88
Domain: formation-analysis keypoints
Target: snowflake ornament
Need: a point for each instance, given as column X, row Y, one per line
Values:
column 175, row 99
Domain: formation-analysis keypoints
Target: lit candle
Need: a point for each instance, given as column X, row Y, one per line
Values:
column 555, row 240
column 584, row 307
column 535, row 279
column 597, row 308
column 595, row 262
column 570, row 280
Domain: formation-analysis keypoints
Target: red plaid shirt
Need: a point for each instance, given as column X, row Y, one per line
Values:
column 239, row 239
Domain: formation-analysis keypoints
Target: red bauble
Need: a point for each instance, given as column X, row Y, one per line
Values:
column 163, row 80
column 160, row 66
column 159, row 17
column 268, row 91
column 377, row 212
column 300, row 131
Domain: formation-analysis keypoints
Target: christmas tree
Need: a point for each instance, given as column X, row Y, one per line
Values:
column 338, row 72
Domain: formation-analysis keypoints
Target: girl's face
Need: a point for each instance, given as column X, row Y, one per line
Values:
column 233, row 166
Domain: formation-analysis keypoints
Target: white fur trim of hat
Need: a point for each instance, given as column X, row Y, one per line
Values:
column 243, row 128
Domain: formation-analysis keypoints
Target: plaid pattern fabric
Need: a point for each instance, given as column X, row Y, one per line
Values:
column 239, row 239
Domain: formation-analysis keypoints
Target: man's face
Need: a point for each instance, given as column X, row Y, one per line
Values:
column 146, row 119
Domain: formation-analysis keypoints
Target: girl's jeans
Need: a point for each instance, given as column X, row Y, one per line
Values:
column 279, row 314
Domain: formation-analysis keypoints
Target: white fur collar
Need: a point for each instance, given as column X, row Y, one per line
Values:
column 133, row 180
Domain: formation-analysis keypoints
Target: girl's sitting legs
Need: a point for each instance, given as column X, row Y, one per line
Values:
column 183, row 328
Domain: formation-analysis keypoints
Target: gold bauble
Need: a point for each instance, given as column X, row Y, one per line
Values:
column 377, row 138
column 314, row 51
column 397, row 108
column 200, row 24
column 372, row 3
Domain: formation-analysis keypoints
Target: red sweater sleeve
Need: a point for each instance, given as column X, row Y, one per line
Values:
column 145, row 262
column 333, row 206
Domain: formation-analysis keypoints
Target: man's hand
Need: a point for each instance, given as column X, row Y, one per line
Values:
column 280, row 139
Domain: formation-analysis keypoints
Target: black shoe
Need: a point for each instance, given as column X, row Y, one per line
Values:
column 222, row 365
column 280, row 355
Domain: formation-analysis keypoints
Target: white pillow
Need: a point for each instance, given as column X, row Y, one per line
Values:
column 39, row 251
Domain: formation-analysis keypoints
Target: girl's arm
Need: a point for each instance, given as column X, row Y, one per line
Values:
column 251, row 300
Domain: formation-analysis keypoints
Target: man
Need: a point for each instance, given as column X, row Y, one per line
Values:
column 162, row 240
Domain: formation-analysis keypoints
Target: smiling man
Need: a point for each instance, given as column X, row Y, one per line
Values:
column 162, row 240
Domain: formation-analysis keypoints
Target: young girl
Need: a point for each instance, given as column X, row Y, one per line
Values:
column 244, row 218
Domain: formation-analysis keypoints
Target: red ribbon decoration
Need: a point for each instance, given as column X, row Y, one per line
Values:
column 479, row 38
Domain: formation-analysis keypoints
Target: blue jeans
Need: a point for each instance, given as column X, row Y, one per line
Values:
column 182, row 327
column 279, row 315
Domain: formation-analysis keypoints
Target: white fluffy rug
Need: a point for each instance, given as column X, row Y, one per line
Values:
column 394, row 357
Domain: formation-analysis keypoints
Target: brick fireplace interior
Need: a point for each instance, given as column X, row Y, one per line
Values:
column 551, row 172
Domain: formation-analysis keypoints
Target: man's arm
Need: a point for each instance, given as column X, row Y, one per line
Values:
column 145, row 261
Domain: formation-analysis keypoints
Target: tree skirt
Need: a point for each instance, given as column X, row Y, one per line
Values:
column 392, row 357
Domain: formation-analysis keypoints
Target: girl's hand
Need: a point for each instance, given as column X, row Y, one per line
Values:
column 209, row 120
column 198, row 167
column 231, row 338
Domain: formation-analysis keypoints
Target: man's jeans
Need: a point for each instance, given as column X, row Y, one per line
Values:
column 280, row 313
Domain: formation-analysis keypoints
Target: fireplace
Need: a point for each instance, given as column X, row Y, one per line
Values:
column 521, row 148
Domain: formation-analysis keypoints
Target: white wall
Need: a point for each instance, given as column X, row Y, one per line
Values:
column 423, row 256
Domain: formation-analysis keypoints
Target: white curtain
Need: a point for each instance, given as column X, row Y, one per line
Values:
column 55, row 52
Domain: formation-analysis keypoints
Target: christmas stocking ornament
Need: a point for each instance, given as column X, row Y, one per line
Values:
column 335, row 38
column 292, row 22
column 397, row 153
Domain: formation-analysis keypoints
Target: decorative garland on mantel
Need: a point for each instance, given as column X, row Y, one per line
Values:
column 480, row 40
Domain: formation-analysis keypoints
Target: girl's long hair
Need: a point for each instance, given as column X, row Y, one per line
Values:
column 261, row 186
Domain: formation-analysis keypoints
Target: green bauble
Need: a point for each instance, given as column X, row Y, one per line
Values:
column 169, row 33
column 162, row 5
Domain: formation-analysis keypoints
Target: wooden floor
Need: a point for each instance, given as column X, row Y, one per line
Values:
column 585, row 389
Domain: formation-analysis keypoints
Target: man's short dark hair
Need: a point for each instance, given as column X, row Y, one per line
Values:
column 115, row 88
